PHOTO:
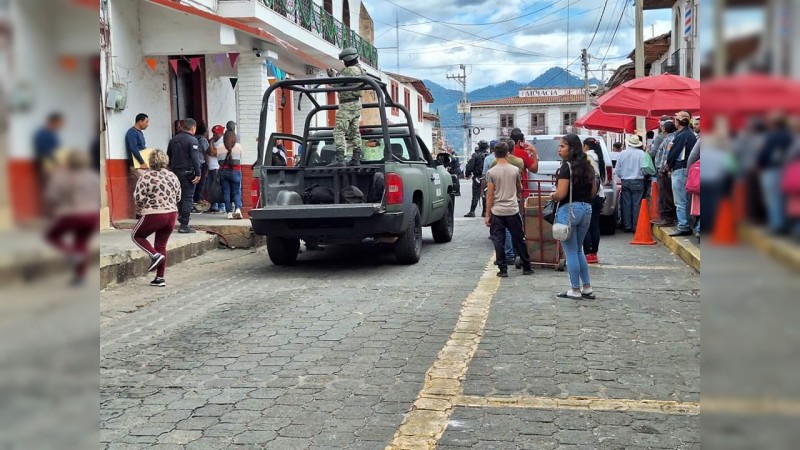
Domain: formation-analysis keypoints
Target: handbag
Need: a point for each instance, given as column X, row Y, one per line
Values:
column 215, row 189
column 790, row 182
column 549, row 211
column 648, row 168
column 561, row 231
column 693, row 178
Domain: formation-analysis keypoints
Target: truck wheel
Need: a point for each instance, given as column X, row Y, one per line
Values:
column 443, row 229
column 408, row 248
column 608, row 224
column 282, row 251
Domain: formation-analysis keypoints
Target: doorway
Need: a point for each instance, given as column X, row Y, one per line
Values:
column 188, row 90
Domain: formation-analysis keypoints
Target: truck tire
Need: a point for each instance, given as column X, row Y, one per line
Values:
column 408, row 247
column 443, row 229
column 282, row 251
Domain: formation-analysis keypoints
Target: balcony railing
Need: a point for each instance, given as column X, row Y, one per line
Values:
column 505, row 132
column 678, row 63
column 315, row 19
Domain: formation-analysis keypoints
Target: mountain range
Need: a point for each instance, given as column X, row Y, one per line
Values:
column 446, row 100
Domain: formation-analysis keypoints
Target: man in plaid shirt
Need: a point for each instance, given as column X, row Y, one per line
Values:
column 666, row 203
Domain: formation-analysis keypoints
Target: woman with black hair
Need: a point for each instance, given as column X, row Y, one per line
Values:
column 591, row 243
column 575, row 190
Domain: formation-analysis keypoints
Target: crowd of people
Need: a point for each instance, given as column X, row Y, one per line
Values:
column 195, row 170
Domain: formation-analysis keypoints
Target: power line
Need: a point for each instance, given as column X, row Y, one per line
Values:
column 598, row 25
column 463, row 31
column 485, row 23
column 613, row 36
column 434, row 50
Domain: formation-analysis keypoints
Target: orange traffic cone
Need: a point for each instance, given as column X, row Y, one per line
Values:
column 655, row 213
column 644, row 230
column 725, row 226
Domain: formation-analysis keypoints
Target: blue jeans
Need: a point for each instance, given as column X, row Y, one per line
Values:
column 231, row 185
column 681, row 198
column 774, row 199
column 631, row 202
column 573, row 247
column 509, row 248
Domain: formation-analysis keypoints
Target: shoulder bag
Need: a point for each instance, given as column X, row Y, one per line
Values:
column 562, row 231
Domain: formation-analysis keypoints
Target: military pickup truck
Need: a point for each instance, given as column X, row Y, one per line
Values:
column 402, row 187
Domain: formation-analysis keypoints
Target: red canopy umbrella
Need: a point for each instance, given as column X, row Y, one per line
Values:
column 750, row 94
column 653, row 96
column 618, row 123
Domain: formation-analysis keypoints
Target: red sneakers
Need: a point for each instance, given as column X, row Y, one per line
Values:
column 592, row 258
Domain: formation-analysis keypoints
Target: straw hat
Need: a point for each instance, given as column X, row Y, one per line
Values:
column 634, row 141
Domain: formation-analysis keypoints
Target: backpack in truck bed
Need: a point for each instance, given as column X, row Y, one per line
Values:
column 351, row 195
column 318, row 195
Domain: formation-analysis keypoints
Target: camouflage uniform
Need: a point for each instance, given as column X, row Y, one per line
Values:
column 345, row 131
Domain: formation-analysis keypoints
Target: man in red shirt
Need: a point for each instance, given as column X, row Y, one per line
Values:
column 527, row 153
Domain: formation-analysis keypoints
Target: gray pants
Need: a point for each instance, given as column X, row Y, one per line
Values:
column 630, row 202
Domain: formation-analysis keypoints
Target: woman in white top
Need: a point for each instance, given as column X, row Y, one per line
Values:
column 213, row 163
column 229, row 156
column 591, row 243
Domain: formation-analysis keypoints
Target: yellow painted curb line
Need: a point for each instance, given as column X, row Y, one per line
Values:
column 425, row 423
column 686, row 251
column 780, row 249
column 583, row 403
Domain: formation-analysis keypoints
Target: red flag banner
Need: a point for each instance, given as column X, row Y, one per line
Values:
column 194, row 63
column 151, row 63
column 233, row 56
column 174, row 64
column 234, row 80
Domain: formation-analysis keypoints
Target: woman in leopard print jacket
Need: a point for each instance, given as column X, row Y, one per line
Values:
column 156, row 195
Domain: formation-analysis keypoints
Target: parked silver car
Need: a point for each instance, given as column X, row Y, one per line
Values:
column 549, row 162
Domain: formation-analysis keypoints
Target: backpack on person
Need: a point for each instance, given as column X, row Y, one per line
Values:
column 475, row 165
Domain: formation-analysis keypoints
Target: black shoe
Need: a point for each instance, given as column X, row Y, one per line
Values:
column 677, row 233
column 186, row 230
column 528, row 271
column 502, row 274
column 354, row 163
column 158, row 282
column 155, row 261
column 470, row 214
column 336, row 163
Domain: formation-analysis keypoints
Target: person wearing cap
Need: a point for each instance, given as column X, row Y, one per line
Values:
column 676, row 163
column 629, row 170
column 666, row 205
column 659, row 138
column 202, row 147
column 345, row 130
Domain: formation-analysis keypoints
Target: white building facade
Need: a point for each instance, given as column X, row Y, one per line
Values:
column 683, row 57
column 534, row 111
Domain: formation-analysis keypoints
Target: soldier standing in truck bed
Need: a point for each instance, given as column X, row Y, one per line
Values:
column 345, row 131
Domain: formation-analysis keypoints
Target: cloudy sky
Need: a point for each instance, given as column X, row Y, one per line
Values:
column 507, row 39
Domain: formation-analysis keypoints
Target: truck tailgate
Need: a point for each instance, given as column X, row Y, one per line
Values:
column 316, row 211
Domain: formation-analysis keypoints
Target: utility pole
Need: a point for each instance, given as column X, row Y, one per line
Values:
column 585, row 61
column 462, row 80
column 397, row 36
column 639, row 57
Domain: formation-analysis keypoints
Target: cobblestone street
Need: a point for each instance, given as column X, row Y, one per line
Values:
column 334, row 352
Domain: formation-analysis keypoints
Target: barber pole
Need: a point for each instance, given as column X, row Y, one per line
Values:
column 687, row 20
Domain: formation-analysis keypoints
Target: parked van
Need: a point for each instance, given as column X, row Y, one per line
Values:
column 547, row 148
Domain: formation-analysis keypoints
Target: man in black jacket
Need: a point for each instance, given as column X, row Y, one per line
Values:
column 676, row 162
column 475, row 170
column 184, row 161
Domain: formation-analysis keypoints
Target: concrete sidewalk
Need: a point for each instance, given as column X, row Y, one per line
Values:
column 685, row 247
column 26, row 257
column 121, row 259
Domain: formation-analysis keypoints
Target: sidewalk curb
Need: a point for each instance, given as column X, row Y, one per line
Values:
column 35, row 265
column 121, row 266
column 781, row 249
column 681, row 246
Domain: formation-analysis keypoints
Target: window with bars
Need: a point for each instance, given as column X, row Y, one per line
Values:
column 419, row 108
column 537, row 120
column 507, row 120
column 570, row 118
column 395, row 97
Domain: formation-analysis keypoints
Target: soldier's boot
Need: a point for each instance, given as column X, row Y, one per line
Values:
column 356, row 160
column 338, row 161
